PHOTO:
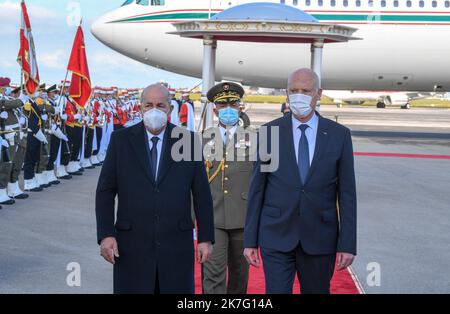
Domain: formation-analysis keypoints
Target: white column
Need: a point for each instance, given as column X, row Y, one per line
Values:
column 208, row 77
column 316, row 61
column 212, row 82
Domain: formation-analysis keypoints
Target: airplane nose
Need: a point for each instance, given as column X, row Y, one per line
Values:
column 103, row 30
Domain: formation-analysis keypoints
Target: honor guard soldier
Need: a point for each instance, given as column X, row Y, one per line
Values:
column 37, row 111
column 15, row 135
column 229, row 169
column 88, row 140
column 74, row 129
column 58, row 140
column 99, row 120
column 64, row 153
column 7, row 104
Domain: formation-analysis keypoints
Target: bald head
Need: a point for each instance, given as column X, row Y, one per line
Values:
column 306, row 82
column 305, row 77
column 155, row 90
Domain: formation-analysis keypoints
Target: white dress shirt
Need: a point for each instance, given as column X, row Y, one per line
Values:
column 158, row 146
column 230, row 133
column 311, row 135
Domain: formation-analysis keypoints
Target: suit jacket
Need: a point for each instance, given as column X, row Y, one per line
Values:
column 321, row 214
column 153, row 228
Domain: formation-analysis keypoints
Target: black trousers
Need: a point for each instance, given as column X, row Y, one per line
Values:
column 99, row 132
column 54, row 150
column 89, row 141
column 313, row 271
column 75, row 135
column 32, row 156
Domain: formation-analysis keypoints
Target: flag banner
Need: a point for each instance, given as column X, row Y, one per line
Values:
column 80, row 87
column 27, row 54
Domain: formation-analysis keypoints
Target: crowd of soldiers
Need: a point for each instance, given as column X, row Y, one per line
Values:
column 50, row 138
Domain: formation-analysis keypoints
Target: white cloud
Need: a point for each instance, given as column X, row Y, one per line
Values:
column 56, row 59
column 8, row 63
column 10, row 15
column 109, row 58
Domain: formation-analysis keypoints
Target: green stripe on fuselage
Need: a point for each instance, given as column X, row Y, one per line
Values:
column 319, row 16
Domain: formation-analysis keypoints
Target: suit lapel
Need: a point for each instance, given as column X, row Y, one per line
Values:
column 321, row 144
column 139, row 142
column 166, row 157
column 287, row 142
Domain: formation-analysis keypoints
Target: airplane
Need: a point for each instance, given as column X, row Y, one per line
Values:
column 403, row 46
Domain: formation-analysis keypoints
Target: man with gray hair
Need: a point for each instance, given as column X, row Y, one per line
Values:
column 303, row 214
column 150, row 239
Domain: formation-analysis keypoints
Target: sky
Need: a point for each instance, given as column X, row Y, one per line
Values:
column 54, row 24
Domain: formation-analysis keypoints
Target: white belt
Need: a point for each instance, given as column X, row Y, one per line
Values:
column 12, row 126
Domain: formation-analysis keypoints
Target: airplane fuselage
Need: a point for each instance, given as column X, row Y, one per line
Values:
column 403, row 48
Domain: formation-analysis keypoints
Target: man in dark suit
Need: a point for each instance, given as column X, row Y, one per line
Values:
column 151, row 242
column 303, row 214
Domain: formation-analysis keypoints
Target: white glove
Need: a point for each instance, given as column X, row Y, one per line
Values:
column 22, row 121
column 87, row 119
column 24, row 98
column 77, row 116
column 5, row 143
column 57, row 110
column 44, row 117
column 41, row 137
column 64, row 116
column 59, row 134
column 4, row 115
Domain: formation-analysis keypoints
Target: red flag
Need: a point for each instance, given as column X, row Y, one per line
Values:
column 27, row 54
column 80, row 88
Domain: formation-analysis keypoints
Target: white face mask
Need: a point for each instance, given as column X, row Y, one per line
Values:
column 155, row 119
column 300, row 104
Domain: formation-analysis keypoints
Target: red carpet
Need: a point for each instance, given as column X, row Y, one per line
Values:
column 342, row 282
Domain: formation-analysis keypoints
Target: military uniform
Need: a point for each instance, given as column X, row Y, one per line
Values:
column 89, row 135
column 8, row 124
column 15, row 127
column 98, row 115
column 229, row 155
column 56, row 137
column 74, row 129
column 64, row 153
column 37, row 143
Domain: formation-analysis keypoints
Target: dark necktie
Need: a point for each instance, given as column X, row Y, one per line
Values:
column 303, row 154
column 154, row 156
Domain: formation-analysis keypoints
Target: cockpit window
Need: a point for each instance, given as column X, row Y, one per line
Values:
column 128, row 2
column 145, row 2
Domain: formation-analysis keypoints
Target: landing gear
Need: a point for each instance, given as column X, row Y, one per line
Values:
column 244, row 120
column 381, row 105
column 406, row 106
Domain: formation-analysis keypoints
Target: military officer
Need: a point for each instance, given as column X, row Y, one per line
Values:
column 229, row 168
